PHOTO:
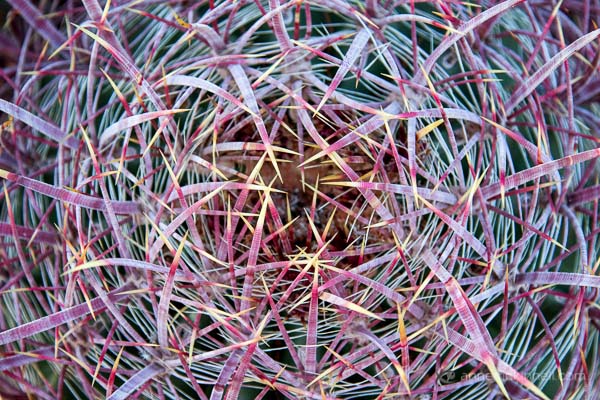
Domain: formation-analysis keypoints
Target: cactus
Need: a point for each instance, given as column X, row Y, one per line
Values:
column 274, row 199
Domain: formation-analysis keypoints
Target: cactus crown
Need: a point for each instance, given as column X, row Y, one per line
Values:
column 299, row 199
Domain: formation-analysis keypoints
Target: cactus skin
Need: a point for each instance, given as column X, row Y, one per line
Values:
column 299, row 200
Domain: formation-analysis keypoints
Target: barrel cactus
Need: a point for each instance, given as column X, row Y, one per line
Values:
column 325, row 199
